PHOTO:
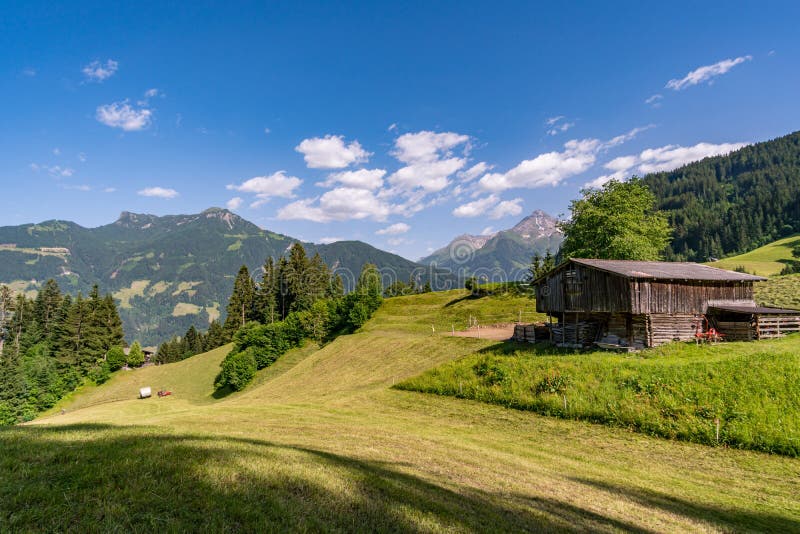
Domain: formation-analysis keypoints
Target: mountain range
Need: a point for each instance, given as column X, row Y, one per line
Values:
column 169, row 272
column 503, row 255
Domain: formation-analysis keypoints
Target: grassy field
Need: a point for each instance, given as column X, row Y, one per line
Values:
column 322, row 442
column 780, row 291
column 763, row 261
column 676, row 391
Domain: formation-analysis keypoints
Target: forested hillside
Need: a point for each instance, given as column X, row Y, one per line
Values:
column 167, row 273
column 734, row 203
column 50, row 344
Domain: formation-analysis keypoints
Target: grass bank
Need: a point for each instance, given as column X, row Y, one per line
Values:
column 679, row 391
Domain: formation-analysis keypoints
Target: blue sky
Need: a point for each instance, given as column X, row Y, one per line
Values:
column 400, row 125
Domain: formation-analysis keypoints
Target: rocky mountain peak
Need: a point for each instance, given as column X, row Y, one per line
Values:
column 537, row 224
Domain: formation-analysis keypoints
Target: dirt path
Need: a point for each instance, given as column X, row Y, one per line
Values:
column 496, row 332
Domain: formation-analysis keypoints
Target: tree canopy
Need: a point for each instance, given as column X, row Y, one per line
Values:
column 618, row 221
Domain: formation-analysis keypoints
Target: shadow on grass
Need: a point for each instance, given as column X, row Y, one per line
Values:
column 507, row 348
column 725, row 519
column 99, row 478
column 468, row 296
column 221, row 393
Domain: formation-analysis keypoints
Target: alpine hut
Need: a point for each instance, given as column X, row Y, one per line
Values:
column 637, row 304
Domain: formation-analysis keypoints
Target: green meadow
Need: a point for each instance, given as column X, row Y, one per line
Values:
column 322, row 441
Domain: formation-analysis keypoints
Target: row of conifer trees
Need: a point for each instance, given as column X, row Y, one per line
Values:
column 49, row 344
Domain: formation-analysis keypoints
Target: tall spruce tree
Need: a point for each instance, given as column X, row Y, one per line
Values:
column 267, row 294
column 299, row 279
column 6, row 311
column 240, row 305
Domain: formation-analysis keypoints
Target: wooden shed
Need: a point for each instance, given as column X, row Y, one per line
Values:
column 637, row 304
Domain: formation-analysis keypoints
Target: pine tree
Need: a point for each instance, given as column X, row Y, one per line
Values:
column 240, row 305
column 194, row 342
column 6, row 311
column 299, row 279
column 215, row 337
column 283, row 297
column 48, row 302
column 336, row 288
column 267, row 294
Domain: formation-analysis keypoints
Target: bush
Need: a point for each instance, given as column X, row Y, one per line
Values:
column 135, row 355
column 100, row 372
column 238, row 370
column 116, row 358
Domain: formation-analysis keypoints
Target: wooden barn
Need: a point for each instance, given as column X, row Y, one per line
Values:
column 637, row 304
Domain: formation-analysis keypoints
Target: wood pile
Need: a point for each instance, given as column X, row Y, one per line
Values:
column 531, row 333
column 580, row 333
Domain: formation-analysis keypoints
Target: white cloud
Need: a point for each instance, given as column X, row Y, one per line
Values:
column 561, row 128
column 654, row 100
column 488, row 231
column 267, row 131
column 55, row 171
column 331, row 152
column 552, row 168
column 396, row 241
column 706, row 73
column 123, row 115
column 476, row 207
column 158, row 192
column 392, row 127
column 329, row 240
column 30, row 72
column 109, row 189
column 151, row 93
column 671, row 157
column 340, row 204
column 265, row 187
column 557, row 125
column 56, row 151
column 82, row 157
column 98, row 72
column 426, row 146
column 361, row 179
column 665, row 158
column 234, row 203
column 429, row 176
column 506, row 208
column 475, row 171
column 394, row 229
column 82, row 187
column 624, row 138
column 546, row 169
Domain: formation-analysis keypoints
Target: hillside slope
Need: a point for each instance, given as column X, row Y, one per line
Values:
column 734, row 203
column 167, row 273
column 327, row 444
column 768, row 260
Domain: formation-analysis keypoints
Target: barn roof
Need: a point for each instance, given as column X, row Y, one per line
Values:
column 662, row 270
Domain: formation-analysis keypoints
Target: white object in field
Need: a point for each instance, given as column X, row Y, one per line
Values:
column 144, row 393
